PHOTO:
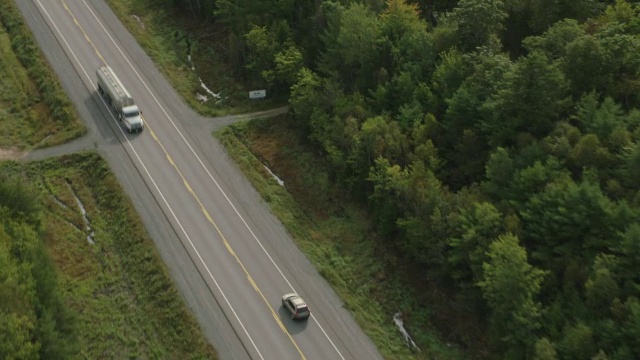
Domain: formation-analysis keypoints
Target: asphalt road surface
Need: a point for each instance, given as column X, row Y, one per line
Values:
column 230, row 257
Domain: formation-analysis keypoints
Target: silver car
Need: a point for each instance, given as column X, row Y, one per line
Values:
column 296, row 307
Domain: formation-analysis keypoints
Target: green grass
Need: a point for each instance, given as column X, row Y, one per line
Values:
column 118, row 289
column 163, row 37
column 34, row 111
column 337, row 235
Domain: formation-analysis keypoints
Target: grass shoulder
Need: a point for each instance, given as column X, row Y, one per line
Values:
column 336, row 234
column 34, row 110
column 190, row 55
column 110, row 276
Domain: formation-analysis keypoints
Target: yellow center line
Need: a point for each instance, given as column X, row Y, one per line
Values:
column 203, row 209
column 229, row 248
column 86, row 36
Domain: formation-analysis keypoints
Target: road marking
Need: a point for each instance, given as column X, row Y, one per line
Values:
column 151, row 178
column 230, row 249
column 64, row 4
column 208, row 173
column 188, row 187
column 210, row 176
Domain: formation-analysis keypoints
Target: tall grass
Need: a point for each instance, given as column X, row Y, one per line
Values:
column 118, row 289
column 35, row 109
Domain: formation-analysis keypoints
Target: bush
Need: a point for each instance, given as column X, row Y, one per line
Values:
column 29, row 55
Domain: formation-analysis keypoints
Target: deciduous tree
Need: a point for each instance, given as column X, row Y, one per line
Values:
column 477, row 20
column 602, row 286
column 510, row 286
column 534, row 97
column 480, row 224
column 545, row 350
column 578, row 342
column 499, row 172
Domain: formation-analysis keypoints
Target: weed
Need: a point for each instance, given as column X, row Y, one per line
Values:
column 118, row 288
column 34, row 111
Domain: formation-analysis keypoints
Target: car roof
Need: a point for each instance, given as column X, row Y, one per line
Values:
column 295, row 299
column 298, row 302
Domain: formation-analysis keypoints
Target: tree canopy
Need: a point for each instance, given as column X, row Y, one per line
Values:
column 34, row 322
column 496, row 143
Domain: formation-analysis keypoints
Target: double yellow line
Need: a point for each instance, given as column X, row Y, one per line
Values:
column 202, row 208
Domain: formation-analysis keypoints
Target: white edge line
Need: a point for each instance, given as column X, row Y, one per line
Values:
column 151, row 178
column 205, row 168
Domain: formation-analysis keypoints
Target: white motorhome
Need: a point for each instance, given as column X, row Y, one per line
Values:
column 110, row 87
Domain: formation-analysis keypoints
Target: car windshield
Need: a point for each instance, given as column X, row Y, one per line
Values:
column 132, row 113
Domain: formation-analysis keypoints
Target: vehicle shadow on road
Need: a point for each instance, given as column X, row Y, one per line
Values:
column 292, row 326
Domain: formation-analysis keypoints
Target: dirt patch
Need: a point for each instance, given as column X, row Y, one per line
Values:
column 11, row 154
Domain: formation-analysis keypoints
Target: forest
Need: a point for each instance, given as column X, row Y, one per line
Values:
column 34, row 321
column 496, row 142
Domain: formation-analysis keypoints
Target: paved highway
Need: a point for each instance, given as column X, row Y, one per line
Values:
column 230, row 258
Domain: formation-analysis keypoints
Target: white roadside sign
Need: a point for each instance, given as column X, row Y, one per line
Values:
column 257, row 94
